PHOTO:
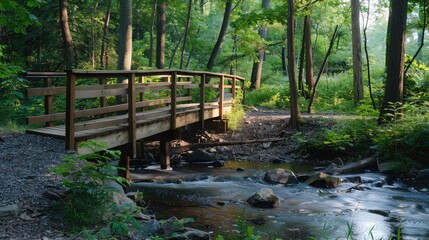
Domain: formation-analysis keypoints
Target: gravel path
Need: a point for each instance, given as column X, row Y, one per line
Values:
column 25, row 161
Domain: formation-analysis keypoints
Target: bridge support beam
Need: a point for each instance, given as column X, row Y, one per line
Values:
column 164, row 147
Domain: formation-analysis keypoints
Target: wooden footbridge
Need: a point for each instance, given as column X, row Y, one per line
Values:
column 143, row 104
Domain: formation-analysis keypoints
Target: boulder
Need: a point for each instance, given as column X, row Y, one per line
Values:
column 150, row 229
column 422, row 178
column 280, row 176
column 200, row 155
column 264, row 198
column 172, row 225
column 323, row 180
column 9, row 211
column 191, row 233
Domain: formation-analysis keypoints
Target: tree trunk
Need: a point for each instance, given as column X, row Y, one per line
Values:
column 126, row 35
column 221, row 37
column 185, row 38
column 160, row 35
column 255, row 79
column 322, row 69
column 66, row 34
column 301, row 66
column 357, row 52
column 295, row 114
column 395, row 63
column 284, row 65
column 104, row 39
column 309, row 75
column 152, row 23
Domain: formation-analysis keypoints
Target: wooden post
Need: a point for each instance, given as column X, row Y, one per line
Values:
column 202, row 99
column 173, row 100
column 221, row 94
column 124, row 164
column 103, row 101
column 48, row 101
column 141, row 99
column 164, row 154
column 70, row 109
column 132, row 141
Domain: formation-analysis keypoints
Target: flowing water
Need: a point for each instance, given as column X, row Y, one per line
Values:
column 216, row 199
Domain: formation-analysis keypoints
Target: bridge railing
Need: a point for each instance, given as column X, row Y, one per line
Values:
column 94, row 100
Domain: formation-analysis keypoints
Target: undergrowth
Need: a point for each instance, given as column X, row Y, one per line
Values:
column 89, row 199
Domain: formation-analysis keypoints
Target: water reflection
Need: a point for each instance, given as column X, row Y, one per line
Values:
column 216, row 199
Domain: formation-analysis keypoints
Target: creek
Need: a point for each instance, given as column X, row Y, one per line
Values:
column 216, row 198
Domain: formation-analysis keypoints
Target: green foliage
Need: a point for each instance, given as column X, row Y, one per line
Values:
column 347, row 137
column 243, row 231
column 404, row 142
column 236, row 116
column 349, row 233
column 89, row 202
column 268, row 97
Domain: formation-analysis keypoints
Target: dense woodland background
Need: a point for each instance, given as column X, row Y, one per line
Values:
column 366, row 58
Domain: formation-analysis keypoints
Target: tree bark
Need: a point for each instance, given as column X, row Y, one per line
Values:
column 295, row 114
column 284, row 62
column 301, row 66
column 66, row 34
column 104, row 40
column 185, row 37
column 395, row 63
column 152, row 23
column 221, row 37
column 126, row 35
column 322, row 69
column 357, row 53
column 309, row 75
column 160, row 35
column 255, row 78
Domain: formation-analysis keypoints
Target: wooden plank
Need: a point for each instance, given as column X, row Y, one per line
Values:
column 106, row 122
column 70, row 110
column 132, row 141
column 45, row 74
column 100, row 93
column 48, row 101
column 45, row 91
column 141, row 94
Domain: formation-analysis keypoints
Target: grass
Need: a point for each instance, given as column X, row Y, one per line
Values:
column 11, row 127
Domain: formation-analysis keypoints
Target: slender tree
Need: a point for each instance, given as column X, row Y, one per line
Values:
column 126, row 34
column 357, row 52
column 309, row 75
column 66, row 34
column 395, row 62
column 151, row 27
column 255, row 78
column 160, row 34
column 185, row 38
column 221, row 37
column 104, row 39
column 295, row 114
